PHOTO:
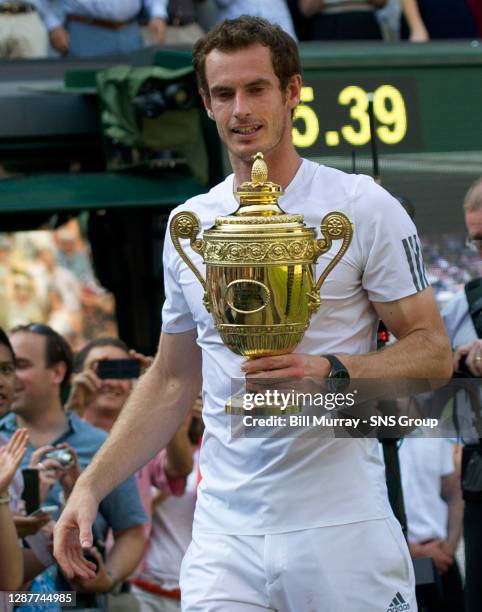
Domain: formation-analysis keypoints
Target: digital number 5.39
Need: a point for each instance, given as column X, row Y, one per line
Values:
column 388, row 107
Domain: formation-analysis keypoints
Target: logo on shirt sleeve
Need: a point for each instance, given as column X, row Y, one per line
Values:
column 413, row 251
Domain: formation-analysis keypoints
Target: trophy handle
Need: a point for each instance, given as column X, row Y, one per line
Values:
column 187, row 225
column 334, row 226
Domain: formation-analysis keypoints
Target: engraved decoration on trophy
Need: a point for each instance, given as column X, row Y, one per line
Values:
column 260, row 282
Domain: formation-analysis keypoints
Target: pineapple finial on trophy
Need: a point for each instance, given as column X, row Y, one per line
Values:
column 259, row 171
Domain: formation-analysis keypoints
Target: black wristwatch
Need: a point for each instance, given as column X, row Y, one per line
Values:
column 338, row 374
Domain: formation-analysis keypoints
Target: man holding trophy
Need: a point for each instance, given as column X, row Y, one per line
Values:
column 285, row 523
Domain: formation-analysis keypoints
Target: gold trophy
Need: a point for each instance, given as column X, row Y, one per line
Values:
column 260, row 282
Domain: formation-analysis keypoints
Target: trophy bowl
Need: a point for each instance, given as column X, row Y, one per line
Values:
column 260, row 284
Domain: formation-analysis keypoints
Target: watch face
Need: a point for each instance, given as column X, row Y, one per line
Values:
column 339, row 381
column 341, row 373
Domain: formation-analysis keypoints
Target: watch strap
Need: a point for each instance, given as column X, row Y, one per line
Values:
column 337, row 366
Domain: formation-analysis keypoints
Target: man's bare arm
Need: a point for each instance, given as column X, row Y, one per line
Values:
column 147, row 422
column 452, row 494
column 151, row 416
column 418, row 31
column 422, row 349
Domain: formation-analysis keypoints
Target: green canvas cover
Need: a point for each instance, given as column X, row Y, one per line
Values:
column 178, row 130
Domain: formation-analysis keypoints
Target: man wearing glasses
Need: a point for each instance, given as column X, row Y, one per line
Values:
column 457, row 318
column 463, row 321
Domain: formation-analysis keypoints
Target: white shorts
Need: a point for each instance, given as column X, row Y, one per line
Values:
column 359, row 567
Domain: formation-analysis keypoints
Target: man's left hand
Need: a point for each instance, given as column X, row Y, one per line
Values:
column 292, row 365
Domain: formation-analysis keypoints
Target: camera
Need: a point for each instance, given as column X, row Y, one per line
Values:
column 63, row 456
column 155, row 97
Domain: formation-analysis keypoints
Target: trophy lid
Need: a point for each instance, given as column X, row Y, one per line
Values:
column 258, row 197
column 258, row 210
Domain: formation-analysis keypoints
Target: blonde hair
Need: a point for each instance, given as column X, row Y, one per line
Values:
column 473, row 197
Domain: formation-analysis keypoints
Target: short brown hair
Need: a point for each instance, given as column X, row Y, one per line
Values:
column 81, row 356
column 235, row 34
column 57, row 349
column 473, row 197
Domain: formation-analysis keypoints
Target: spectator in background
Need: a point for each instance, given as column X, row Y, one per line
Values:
column 179, row 25
column 339, row 20
column 466, row 341
column 60, row 292
column 62, row 320
column 100, row 401
column 434, row 508
column 23, row 304
column 22, row 33
column 275, row 11
column 44, row 363
column 11, row 455
column 106, row 27
column 17, row 564
column 48, row 274
column 74, row 259
column 426, row 19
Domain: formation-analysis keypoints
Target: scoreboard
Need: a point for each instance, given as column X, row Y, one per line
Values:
column 426, row 98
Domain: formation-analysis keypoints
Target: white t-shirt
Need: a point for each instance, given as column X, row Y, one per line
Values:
column 423, row 464
column 261, row 486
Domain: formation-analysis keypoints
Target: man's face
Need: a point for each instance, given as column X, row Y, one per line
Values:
column 36, row 384
column 7, row 379
column 473, row 221
column 113, row 393
column 251, row 112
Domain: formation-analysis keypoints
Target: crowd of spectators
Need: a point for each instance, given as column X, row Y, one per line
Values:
column 143, row 527
column 449, row 264
column 37, row 28
column 47, row 276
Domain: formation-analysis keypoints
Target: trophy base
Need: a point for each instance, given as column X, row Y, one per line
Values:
column 234, row 405
column 255, row 341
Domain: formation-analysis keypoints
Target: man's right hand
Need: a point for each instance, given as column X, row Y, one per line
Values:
column 73, row 534
column 60, row 40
